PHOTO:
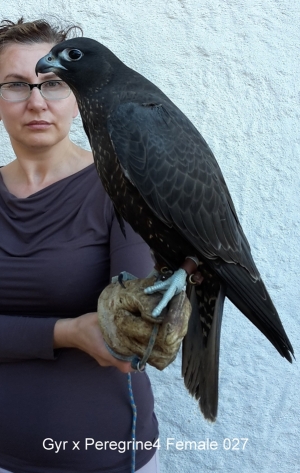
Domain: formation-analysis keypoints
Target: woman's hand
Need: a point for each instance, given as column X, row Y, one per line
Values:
column 84, row 333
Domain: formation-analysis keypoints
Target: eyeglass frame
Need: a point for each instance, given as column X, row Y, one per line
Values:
column 31, row 87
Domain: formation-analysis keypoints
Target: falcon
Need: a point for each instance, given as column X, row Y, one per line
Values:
column 165, row 182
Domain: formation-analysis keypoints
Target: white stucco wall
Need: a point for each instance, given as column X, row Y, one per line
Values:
column 233, row 68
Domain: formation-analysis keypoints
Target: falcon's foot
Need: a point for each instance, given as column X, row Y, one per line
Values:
column 172, row 286
column 123, row 276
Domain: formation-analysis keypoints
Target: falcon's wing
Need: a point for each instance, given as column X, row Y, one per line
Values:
column 171, row 165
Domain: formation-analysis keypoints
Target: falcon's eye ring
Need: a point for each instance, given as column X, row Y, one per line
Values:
column 72, row 54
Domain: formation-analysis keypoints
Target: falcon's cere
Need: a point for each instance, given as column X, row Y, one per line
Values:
column 164, row 180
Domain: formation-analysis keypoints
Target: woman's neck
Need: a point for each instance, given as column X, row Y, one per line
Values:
column 37, row 169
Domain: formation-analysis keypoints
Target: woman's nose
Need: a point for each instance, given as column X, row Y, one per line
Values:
column 36, row 100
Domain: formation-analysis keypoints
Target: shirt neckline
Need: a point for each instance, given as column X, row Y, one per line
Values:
column 77, row 173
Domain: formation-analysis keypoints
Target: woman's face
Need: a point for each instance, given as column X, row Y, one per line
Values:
column 36, row 122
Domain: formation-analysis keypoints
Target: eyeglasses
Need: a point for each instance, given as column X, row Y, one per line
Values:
column 19, row 91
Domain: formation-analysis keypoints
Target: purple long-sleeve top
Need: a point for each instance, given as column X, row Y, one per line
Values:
column 58, row 249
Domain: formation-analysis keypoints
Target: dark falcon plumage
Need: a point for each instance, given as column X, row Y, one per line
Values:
column 164, row 180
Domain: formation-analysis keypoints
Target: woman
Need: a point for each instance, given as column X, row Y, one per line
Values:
column 64, row 402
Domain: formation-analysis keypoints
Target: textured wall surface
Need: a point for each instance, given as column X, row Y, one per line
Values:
column 233, row 68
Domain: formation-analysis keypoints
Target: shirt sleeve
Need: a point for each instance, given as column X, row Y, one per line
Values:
column 23, row 338
column 31, row 337
column 128, row 253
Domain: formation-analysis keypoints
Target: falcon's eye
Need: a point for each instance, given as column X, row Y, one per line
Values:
column 75, row 54
column 70, row 54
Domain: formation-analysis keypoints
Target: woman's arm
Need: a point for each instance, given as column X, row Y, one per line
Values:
column 126, row 254
column 84, row 334
column 24, row 338
column 130, row 254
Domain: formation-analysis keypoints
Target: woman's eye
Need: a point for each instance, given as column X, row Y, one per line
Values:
column 16, row 85
column 52, row 84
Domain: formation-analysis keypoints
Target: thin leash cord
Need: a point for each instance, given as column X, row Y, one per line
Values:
column 138, row 365
column 134, row 418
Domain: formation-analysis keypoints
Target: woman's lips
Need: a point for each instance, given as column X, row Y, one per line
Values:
column 38, row 125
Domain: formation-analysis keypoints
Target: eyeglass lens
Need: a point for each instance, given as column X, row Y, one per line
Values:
column 51, row 90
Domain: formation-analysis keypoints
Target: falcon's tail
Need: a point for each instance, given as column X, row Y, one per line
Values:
column 201, row 346
column 252, row 299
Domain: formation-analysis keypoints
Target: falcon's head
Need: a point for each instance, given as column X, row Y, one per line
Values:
column 80, row 62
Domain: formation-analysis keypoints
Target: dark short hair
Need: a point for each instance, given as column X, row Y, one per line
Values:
column 38, row 31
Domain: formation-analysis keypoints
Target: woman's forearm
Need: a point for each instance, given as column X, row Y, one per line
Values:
column 84, row 334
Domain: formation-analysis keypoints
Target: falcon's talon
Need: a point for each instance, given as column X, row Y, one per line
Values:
column 173, row 286
column 123, row 276
column 120, row 280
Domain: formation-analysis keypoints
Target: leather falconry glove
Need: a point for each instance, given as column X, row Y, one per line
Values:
column 129, row 330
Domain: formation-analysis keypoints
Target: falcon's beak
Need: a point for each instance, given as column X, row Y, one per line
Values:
column 48, row 63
